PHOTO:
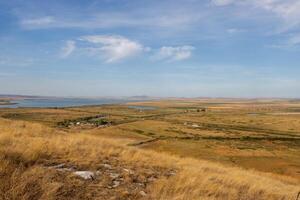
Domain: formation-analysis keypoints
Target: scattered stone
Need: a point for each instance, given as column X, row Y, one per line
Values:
column 98, row 172
column 62, row 168
column 195, row 125
column 151, row 179
column 65, row 169
column 142, row 193
column 107, row 166
column 115, row 184
column 128, row 171
column 58, row 166
column 85, row 174
column 114, row 175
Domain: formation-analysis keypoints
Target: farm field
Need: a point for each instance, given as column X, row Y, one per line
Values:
column 250, row 147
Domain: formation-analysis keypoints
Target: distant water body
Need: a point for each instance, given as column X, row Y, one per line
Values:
column 61, row 102
column 143, row 107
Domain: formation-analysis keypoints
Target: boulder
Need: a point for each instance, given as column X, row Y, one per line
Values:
column 85, row 174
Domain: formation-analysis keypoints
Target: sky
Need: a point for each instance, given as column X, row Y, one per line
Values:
column 166, row 48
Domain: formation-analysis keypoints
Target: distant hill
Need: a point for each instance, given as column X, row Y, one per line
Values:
column 13, row 96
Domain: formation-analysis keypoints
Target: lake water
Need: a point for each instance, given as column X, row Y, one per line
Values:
column 61, row 102
column 143, row 107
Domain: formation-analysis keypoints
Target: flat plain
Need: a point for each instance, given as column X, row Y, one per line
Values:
column 210, row 148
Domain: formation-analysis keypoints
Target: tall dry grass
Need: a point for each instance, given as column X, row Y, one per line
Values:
column 25, row 147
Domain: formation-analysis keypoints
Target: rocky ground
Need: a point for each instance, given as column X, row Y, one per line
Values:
column 110, row 179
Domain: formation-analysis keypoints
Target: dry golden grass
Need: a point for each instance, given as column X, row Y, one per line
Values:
column 275, row 122
column 26, row 147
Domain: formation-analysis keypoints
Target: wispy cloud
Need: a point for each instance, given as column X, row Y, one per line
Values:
column 285, row 18
column 294, row 40
column 38, row 22
column 235, row 30
column 113, row 47
column 112, row 20
column 12, row 61
column 222, row 2
column 68, row 48
column 291, row 42
column 286, row 10
column 174, row 53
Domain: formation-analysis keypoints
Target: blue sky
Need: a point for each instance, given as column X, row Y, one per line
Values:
column 190, row 48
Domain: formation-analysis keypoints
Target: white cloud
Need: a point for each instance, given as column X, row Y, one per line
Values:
column 234, row 30
column 286, row 10
column 222, row 2
column 105, row 20
column 294, row 40
column 68, row 48
column 38, row 22
column 113, row 48
column 286, row 16
column 174, row 53
column 148, row 18
column 11, row 61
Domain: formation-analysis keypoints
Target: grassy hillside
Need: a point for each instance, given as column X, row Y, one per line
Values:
column 28, row 150
column 150, row 154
